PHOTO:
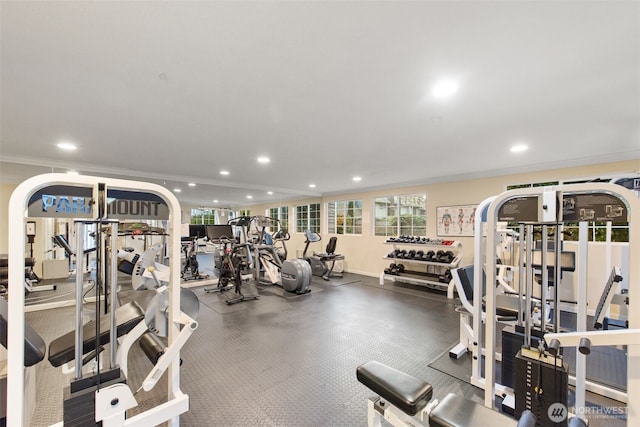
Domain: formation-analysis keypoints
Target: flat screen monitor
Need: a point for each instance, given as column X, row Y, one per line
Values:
column 217, row 232
column 197, row 230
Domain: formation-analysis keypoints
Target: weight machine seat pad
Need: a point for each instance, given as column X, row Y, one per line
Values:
column 407, row 393
column 503, row 311
column 34, row 346
column 329, row 257
column 62, row 349
column 458, row 411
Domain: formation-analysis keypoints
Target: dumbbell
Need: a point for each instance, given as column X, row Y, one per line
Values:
column 445, row 257
column 446, row 277
column 419, row 254
column 400, row 268
column 410, row 255
column 430, row 256
column 393, row 269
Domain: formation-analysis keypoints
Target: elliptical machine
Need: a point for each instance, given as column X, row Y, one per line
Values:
column 322, row 265
column 271, row 264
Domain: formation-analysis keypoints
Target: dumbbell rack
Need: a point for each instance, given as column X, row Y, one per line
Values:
column 423, row 273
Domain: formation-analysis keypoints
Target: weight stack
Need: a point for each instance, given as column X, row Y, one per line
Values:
column 79, row 406
column 512, row 341
column 541, row 383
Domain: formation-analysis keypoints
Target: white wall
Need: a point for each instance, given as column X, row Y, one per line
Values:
column 364, row 252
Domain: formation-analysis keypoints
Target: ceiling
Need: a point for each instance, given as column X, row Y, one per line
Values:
column 174, row 92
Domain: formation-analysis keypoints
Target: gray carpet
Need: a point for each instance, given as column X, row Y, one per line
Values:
column 346, row 279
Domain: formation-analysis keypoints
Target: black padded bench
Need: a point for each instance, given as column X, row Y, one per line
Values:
column 4, row 268
column 34, row 346
column 411, row 395
column 62, row 349
column 456, row 410
column 407, row 393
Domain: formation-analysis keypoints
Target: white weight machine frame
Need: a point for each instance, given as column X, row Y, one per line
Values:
column 549, row 196
column 177, row 402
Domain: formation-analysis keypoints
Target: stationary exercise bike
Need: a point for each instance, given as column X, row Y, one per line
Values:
column 190, row 249
column 225, row 268
column 232, row 266
column 322, row 265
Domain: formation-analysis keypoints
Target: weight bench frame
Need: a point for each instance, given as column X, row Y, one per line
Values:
column 406, row 401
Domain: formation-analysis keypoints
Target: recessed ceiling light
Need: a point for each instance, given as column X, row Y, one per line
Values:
column 72, row 173
column 66, row 146
column 444, row 88
column 215, row 200
column 269, row 192
column 263, row 160
column 312, row 186
column 224, row 172
column 519, row 148
column 357, row 178
column 249, row 196
column 192, row 184
column 176, row 190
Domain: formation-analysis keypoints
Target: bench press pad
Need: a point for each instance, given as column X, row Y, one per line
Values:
column 62, row 349
column 34, row 346
column 458, row 411
column 407, row 393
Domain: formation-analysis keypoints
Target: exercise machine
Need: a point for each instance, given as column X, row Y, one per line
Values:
column 404, row 400
column 507, row 308
column 271, row 263
column 190, row 268
column 221, row 236
column 104, row 202
column 548, row 209
column 322, row 264
column 233, row 265
column 235, row 258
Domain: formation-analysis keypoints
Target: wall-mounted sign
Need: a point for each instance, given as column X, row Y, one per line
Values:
column 519, row 209
column 593, row 207
column 68, row 201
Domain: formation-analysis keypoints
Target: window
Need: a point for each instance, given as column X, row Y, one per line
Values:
column 396, row 215
column 345, row 217
column 211, row 216
column 598, row 231
column 244, row 212
column 308, row 217
column 202, row 216
column 280, row 213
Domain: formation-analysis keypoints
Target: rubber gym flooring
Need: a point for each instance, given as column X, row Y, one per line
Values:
column 290, row 361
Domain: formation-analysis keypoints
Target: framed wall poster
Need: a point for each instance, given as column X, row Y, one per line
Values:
column 456, row 220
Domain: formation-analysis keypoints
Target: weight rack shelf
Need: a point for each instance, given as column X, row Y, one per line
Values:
column 432, row 269
column 453, row 264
